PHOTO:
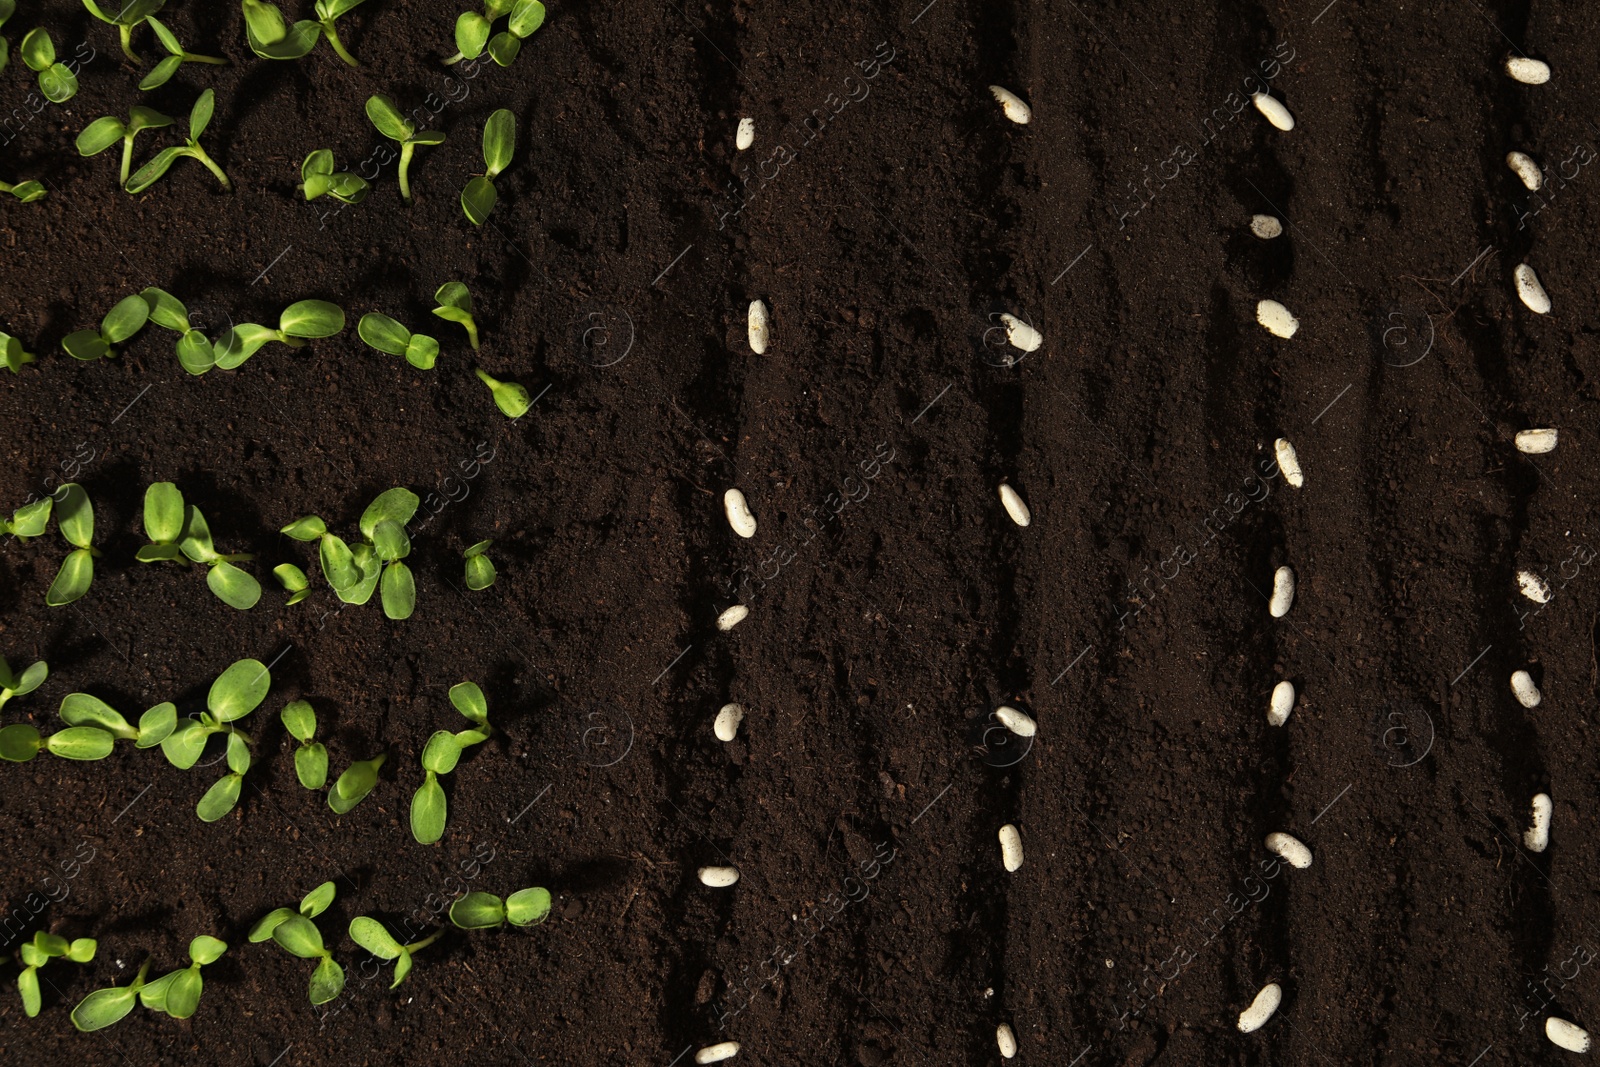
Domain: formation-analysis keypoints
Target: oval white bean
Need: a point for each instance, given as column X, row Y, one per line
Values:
column 1010, row 847
column 1020, row 335
column 1265, row 227
column 1530, row 291
column 1260, row 1010
column 725, row 1050
column 1288, row 462
column 1536, row 442
column 1566, row 1035
column 746, row 135
column 1525, row 169
column 719, row 877
column 1527, row 71
column 1014, row 505
column 756, row 324
column 1533, row 587
column 737, row 509
column 732, row 617
column 1282, row 703
column 1016, row 721
column 727, row 722
column 1273, row 109
column 1012, row 105
column 1537, row 836
column 1291, row 849
column 1006, row 1040
column 1276, row 318
column 1282, row 592
column 1526, row 692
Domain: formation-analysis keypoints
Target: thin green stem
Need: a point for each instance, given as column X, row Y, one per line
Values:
column 200, row 153
column 338, row 46
column 472, row 333
column 405, row 166
column 418, row 946
column 126, row 33
column 453, row 60
column 189, row 57
column 127, row 157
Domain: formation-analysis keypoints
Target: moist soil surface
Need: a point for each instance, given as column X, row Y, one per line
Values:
column 886, row 213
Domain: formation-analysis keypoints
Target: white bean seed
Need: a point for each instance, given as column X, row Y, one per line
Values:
column 746, row 135
column 1282, row 592
column 1273, row 109
column 1533, row 587
column 1530, row 291
column 732, row 617
column 1012, row 105
column 719, row 877
column 1014, row 505
column 726, row 1050
column 1010, row 847
column 1288, row 462
column 1566, row 1035
column 1525, row 169
column 1006, row 1040
column 1276, row 318
column 1536, row 442
column 1017, row 722
column 1526, row 692
column 1265, row 227
column 1291, row 849
column 1021, row 335
column 757, row 325
column 727, row 722
column 738, row 512
column 1260, row 1010
column 1527, row 71
column 1537, row 836
column 1282, row 703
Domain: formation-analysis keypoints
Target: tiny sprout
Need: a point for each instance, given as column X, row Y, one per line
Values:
column 194, row 350
column 511, row 398
column 56, row 80
column 178, row 992
column 20, row 742
column 105, row 1007
column 354, row 784
column 13, row 358
column 354, row 571
column 107, row 130
column 455, row 305
column 481, row 911
column 473, row 31
column 395, row 126
column 294, row 582
column 12, row 685
column 40, row 951
column 312, row 904
column 176, row 531
column 237, row 692
column 299, row 936
column 75, row 521
column 373, row 936
column 271, row 38
column 302, row 321
column 318, row 178
column 311, row 758
column 27, row 192
column 388, row 336
column 199, row 119
column 440, row 755
column 130, row 14
column 499, row 141
column 175, row 57
column 155, row 725
column 29, row 520
column 121, row 322
column 480, row 569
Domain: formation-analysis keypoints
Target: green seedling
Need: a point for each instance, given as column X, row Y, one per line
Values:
column 318, row 178
column 455, row 305
column 480, row 569
column 177, row 531
column 40, row 951
column 13, row 358
column 294, row 582
column 223, row 796
column 475, row 32
column 56, row 80
column 440, row 755
column 355, row 571
column 302, row 321
column 30, row 520
column 499, row 141
column 178, row 992
column 175, row 57
column 75, row 520
column 121, row 322
column 271, row 37
column 237, row 692
column 107, row 130
column 312, row 904
column 511, row 398
column 155, row 725
column 7, row 9
column 199, row 119
column 354, row 784
column 12, row 685
column 27, row 192
column 195, row 353
column 482, row 911
column 387, row 335
column 395, row 126
column 20, row 742
column 311, row 758
column 373, row 936
column 130, row 13
column 105, row 1007
column 299, row 936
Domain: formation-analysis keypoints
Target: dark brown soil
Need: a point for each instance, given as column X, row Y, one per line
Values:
column 892, row 604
